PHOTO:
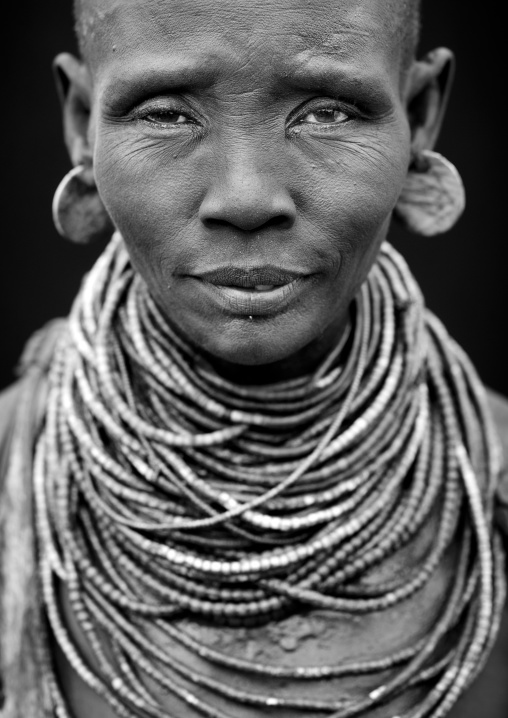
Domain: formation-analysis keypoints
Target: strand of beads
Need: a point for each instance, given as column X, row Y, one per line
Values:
column 163, row 488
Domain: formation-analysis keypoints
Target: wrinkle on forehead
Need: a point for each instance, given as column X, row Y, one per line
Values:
column 340, row 45
column 359, row 27
column 298, row 28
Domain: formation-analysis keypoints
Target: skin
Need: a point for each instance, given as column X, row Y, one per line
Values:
column 229, row 132
column 205, row 125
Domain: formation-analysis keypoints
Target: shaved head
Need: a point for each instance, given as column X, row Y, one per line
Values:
column 404, row 18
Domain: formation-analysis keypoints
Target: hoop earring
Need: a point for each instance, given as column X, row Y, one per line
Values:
column 78, row 212
column 433, row 197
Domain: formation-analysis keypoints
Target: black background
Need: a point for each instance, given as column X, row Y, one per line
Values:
column 462, row 273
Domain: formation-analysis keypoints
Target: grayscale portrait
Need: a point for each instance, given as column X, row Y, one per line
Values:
column 253, row 432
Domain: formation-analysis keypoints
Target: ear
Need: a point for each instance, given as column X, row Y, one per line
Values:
column 74, row 89
column 428, row 89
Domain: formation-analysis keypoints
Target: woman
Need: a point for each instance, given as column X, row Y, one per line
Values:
column 265, row 480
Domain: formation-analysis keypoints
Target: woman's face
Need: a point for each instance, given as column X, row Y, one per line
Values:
column 251, row 155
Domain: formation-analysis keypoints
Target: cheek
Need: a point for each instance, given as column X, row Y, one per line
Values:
column 143, row 180
column 152, row 195
column 355, row 184
column 358, row 179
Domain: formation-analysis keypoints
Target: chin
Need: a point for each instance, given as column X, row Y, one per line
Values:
column 251, row 352
column 253, row 343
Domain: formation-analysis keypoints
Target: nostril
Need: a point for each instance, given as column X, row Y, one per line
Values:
column 279, row 221
column 212, row 223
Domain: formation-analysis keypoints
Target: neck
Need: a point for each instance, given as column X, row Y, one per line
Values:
column 169, row 489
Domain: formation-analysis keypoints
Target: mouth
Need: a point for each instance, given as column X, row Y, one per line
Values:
column 255, row 291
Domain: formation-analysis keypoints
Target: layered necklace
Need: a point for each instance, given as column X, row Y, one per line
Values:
column 163, row 490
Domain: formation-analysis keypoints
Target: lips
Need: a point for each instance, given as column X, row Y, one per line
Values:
column 253, row 291
column 260, row 278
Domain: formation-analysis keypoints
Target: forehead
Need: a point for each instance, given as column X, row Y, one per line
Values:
column 292, row 31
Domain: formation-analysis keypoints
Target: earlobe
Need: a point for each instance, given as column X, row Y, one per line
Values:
column 433, row 197
column 428, row 90
column 74, row 89
column 78, row 211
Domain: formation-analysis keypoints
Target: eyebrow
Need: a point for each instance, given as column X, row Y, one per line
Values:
column 325, row 72
column 159, row 74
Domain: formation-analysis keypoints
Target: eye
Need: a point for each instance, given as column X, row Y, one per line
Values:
column 166, row 113
column 166, row 117
column 325, row 116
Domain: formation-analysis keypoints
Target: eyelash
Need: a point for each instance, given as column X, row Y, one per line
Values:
column 348, row 108
column 295, row 119
column 142, row 113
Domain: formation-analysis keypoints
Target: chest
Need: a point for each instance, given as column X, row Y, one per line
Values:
column 316, row 638
column 487, row 697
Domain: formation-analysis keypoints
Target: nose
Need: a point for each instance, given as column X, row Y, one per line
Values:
column 247, row 193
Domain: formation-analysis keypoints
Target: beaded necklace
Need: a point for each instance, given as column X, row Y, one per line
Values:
column 163, row 489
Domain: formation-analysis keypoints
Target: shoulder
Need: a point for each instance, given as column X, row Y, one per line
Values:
column 499, row 408
column 27, row 395
column 36, row 357
column 9, row 400
column 488, row 696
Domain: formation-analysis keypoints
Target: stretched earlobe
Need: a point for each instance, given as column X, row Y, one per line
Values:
column 78, row 212
column 433, row 197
